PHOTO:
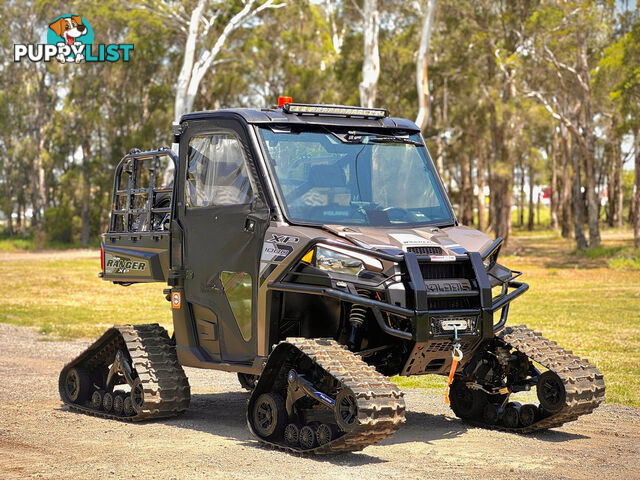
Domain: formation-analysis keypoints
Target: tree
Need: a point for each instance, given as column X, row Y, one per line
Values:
column 422, row 78
column 207, row 33
column 371, row 61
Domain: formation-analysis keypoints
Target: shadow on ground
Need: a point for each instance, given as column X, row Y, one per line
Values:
column 224, row 414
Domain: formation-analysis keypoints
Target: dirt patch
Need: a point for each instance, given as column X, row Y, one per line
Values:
column 69, row 254
column 41, row 439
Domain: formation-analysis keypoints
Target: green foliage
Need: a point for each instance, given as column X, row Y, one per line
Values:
column 60, row 224
column 484, row 60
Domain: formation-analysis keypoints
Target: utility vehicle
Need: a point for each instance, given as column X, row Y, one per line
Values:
column 312, row 249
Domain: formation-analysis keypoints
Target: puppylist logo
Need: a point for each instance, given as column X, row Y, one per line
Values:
column 70, row 40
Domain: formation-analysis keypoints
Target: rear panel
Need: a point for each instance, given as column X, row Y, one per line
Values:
column 136, row 247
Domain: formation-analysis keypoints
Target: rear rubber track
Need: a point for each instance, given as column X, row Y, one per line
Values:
column 153, row 357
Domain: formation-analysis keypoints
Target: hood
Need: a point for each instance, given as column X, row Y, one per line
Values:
column 452, row 240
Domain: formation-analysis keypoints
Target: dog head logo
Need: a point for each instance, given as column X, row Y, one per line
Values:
column 72, row 31
column 69, row 28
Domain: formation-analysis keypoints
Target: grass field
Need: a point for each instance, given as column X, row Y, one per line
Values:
column 589, row 302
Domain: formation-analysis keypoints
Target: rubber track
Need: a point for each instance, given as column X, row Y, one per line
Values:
column 166, row 387
column 584, row 384
column 381, row 407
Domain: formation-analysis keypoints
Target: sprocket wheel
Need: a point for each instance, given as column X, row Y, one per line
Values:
column 466, row 402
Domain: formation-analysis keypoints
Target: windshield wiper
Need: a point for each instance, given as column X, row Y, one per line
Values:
column 392, row 139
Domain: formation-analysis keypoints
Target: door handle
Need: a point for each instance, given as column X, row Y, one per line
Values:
column 250, row 224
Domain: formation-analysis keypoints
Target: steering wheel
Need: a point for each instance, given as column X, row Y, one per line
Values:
column 397, row 213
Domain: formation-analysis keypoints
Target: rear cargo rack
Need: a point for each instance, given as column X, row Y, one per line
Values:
column 138, row 208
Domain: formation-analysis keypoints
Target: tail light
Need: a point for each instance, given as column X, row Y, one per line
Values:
column 101, row 259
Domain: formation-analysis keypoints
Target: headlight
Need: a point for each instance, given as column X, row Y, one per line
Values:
column 337, row 262
column 341, row 260
column 491, row 260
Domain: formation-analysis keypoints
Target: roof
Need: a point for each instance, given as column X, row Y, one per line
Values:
column 276, row 115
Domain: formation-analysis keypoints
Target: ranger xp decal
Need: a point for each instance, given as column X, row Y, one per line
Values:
column 114, row 264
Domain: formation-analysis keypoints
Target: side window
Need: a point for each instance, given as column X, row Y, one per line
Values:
column 217, row 173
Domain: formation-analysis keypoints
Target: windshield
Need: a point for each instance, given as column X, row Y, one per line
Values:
column 355, row 178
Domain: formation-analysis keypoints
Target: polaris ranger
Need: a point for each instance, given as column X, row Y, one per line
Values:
column 312, row 250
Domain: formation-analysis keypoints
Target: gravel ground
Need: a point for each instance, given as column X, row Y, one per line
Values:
column 39, row 438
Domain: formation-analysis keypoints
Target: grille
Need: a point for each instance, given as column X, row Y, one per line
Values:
column 437, row 271
column 425, row 250
column 453, row 303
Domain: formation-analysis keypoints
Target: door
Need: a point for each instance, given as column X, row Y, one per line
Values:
column 224, row 221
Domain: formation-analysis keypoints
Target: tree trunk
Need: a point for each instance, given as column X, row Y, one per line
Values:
column 38, row 187
column 371, row 63
column 636, row 194
column 193, row 71
column 593, row 202
column 85, row 212
column 521, row 196
column 480, row 181
column 187, row 63
column 555, row 195
column 566, row 197
column 578, row 202
column 466, row 192
column 531, row 219
column 618, row 199
column 422, row 83
column 10, row 223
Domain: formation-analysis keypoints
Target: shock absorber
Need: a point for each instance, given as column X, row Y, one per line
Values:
column 357, row 316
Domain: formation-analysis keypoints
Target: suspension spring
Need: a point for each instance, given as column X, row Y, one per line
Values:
column 357, row 316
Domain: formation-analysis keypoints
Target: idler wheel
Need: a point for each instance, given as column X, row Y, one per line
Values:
column 269, row 415
column 127, row 406
column 118, row 404
column 307, row 437
column 137, row 395
column 292, row 434
column 96, row 399
column 77, row 385
column 466, row 402
column 528, row 414
column 248, row 381
column 511, row 417
column 324, row 434
column 346, row 409
column 551, row 392
column 107, row 402
column 492, row 413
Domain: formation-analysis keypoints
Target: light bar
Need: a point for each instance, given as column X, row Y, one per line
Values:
column 301, row 108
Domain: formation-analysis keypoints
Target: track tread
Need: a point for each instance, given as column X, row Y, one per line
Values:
column 584, row 384
column 166, row 387
column 381, row 407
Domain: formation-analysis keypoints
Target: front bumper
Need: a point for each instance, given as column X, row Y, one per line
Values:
column 422, row 317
